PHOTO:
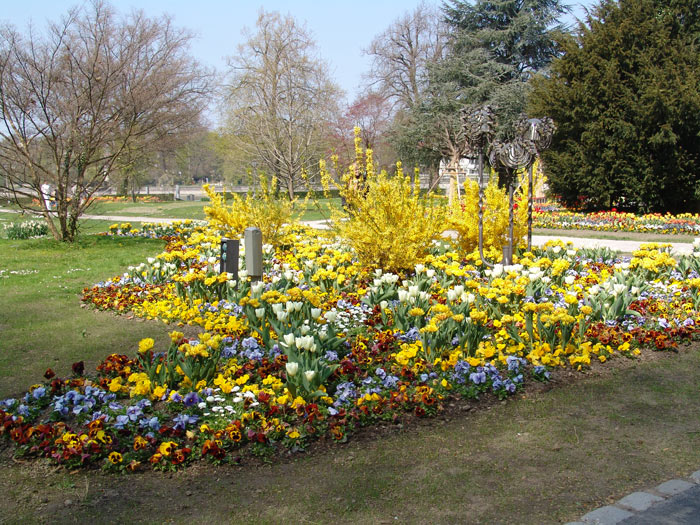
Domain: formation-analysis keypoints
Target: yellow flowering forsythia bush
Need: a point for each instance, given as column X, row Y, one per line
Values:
column 464, row 217
column 264, row 210
column 388, row 222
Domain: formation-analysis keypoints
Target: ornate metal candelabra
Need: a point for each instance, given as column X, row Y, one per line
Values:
column 479, row 125
column 506, row 158
column 533, row 136
column 539, row 132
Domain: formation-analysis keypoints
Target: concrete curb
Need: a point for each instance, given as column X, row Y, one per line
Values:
column 642, row 507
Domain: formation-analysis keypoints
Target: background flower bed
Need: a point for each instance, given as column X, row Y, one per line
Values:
column 402, row 344
column 685, row 223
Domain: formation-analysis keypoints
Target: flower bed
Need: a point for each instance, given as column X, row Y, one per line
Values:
column 683, row 224
column 323, row 346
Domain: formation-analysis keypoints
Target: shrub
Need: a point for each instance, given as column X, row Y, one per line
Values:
column 464, row 217
column 264, row 210
column 387, row 221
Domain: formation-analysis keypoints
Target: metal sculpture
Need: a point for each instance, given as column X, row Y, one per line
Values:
column 479, row 125
column 539, row 132
column 506, row 158
column 533, row 136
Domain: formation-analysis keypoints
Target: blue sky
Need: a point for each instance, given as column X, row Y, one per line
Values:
column 341, row 29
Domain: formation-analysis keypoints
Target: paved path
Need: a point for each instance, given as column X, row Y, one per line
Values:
column 537, row 240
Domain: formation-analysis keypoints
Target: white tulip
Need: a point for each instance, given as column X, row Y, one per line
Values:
column 383, row 305
column 292, row 369
column 315, row 313
column 259, row 313
column 281, row 316
column 430, row 273
column 419, row 268
column 569, row 279
column 497, row 270
column 331, row 316
column 277, row 307
column 288, row 339
column 309, row 374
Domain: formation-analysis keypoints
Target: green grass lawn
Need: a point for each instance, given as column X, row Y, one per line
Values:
column 41, row 319
column 308, row 211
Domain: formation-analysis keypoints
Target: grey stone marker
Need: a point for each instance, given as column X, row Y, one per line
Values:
column 253, row 253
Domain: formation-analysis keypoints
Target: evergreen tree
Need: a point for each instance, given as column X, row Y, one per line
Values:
column 493, row 49
column 625, row 99
column 496, row 47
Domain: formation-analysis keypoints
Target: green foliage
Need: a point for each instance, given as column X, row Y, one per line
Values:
column 625, row 99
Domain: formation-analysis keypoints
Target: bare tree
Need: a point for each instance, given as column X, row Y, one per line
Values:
column 281, row 99
column 93, row 88
column 401, row 54
column 372, row 113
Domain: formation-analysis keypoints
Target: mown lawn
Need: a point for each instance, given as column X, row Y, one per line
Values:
column 41, row 319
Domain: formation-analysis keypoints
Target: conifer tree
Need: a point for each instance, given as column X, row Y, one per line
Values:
column 626, row 102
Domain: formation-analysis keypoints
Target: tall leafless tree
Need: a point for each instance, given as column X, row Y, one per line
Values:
column 77, row 97
column 401, row 54
column 281, row 99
